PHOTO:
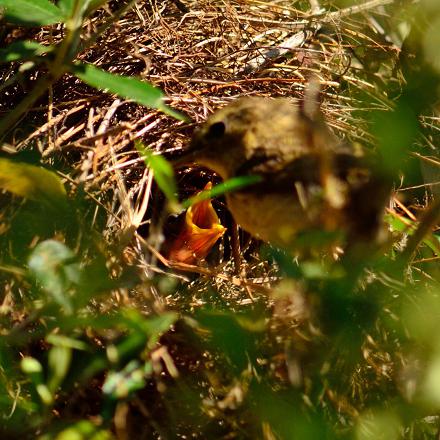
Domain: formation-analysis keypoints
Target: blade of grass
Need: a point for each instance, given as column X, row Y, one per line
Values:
column 127, row 87
column 163, row 174
column 223, row 188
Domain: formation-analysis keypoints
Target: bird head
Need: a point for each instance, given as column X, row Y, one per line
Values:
column 220, row 143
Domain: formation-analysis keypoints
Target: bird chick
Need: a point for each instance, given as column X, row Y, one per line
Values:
column 309, row 180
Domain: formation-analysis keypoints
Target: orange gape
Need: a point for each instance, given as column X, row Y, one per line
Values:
column 199, row 233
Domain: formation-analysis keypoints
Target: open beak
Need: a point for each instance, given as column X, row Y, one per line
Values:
column 199, row 233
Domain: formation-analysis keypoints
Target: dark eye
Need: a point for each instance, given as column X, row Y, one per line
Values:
column 216, row 130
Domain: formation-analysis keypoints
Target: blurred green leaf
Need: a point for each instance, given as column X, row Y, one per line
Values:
column 395, row 131
column 34, row 370
column 381, row 425
column 65, row 341
column 431, row 385
column 59, row 362
column 317, row 239
column 235, row 335
column 30, row 365
column 45, row 394
column 31, row 182
column 163, row 174
column 421, row 318
column 31, row 12
column 285, row 419
column 82, row 430
column 52, row 264
column 144, row 333
column 22, row 50
column 153, row 326
column 431, row 44
column 132, row 377
column 320, row 270
column 131, row 88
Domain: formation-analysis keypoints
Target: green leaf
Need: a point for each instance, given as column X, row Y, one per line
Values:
column 31, row 182
column 52, row 265
column 132, row 377
column 139, row 91
column 22, row 50
column 31, row 12
column 59, row 362
column 65, row 341
column 234, row 334
column 373, row 425
column 395, row 132
column 163, row 173
column 34, row 370
column 151, row 328
column 83, row 430
column 156, row 326
column 317, row 270
column 144, row 332
column 223, row 188
column 30, row 365
column 121, row 384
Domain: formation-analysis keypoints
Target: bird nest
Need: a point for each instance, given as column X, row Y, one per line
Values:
column 204, row 55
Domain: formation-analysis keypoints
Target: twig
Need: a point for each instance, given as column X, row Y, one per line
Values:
column 429, row 219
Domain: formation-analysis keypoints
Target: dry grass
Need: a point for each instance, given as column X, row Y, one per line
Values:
column 203, row 58
column 203, row 55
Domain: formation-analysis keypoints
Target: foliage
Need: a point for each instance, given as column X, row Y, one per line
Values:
column 101, row 341
column 59, row 59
